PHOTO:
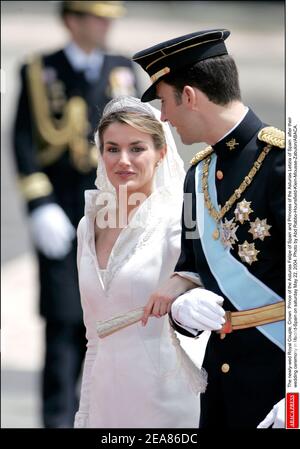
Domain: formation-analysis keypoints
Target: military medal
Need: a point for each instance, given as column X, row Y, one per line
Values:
column 121, row 82
column 259, row 229
column 248, row 253
column 242, row 211
column 228, row 233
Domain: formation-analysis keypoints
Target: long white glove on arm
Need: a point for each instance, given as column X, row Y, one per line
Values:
column 51, row 231
column 276, row 417
column 199, row 309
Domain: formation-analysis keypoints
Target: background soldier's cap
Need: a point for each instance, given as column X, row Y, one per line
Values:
column 172, row 55
column 109, row 9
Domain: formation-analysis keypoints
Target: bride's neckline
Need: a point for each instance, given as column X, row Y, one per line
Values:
column 133, row 236
column 94, row 236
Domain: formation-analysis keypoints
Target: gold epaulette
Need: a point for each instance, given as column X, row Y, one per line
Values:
column 201, row 155
column 272, row 136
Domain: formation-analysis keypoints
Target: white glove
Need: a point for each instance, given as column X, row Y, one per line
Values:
column 51, row 231
column 275, row 417
column 199, row 309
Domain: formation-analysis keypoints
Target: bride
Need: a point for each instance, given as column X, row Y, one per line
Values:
column 128, row 245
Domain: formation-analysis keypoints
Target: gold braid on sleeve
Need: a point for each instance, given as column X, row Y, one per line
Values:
column 70, row 132
column 35, row 186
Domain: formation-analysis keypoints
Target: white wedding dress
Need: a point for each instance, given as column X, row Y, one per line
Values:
column 132, row 378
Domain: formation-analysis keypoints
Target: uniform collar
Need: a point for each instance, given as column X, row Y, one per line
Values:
column 233, row 142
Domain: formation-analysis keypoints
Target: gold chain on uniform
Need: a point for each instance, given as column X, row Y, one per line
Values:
column 217, row 216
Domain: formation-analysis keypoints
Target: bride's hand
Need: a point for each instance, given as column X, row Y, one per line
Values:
column 158, row 305
column 161, row 300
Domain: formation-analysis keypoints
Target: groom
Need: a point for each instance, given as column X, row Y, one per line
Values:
column 233, row 269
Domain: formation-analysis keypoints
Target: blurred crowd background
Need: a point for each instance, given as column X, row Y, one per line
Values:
column 257, row 43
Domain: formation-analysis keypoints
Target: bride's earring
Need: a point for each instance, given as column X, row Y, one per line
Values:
column 157, row 163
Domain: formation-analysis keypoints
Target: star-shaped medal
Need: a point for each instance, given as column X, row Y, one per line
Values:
column 242, row 211
column 248, row 253
column 228, row 232
column 259, row 229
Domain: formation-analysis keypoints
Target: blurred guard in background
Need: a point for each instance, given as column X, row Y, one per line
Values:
column 62, row 97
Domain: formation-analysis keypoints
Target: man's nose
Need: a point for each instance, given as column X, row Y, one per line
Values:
column 163, row 116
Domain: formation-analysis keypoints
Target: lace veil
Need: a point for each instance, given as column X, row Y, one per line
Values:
column 170, row 173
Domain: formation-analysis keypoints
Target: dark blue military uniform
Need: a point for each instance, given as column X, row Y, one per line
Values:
column 61, row 173
column 246, row 371
column 238, row 247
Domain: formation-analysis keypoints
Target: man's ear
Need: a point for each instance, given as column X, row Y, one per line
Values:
column 189, row 97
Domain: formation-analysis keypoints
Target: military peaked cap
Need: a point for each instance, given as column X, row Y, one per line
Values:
column 172, row 55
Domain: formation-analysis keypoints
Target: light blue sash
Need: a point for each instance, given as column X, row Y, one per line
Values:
column 243, row 289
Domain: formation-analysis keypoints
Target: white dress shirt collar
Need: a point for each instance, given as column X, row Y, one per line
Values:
column 236, row 125
column 90, row 63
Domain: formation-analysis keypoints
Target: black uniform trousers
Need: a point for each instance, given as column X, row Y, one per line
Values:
column 65, row 350
column 65, row 342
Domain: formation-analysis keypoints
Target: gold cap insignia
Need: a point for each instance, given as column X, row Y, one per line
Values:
column 160, row 73
column 109, row 9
